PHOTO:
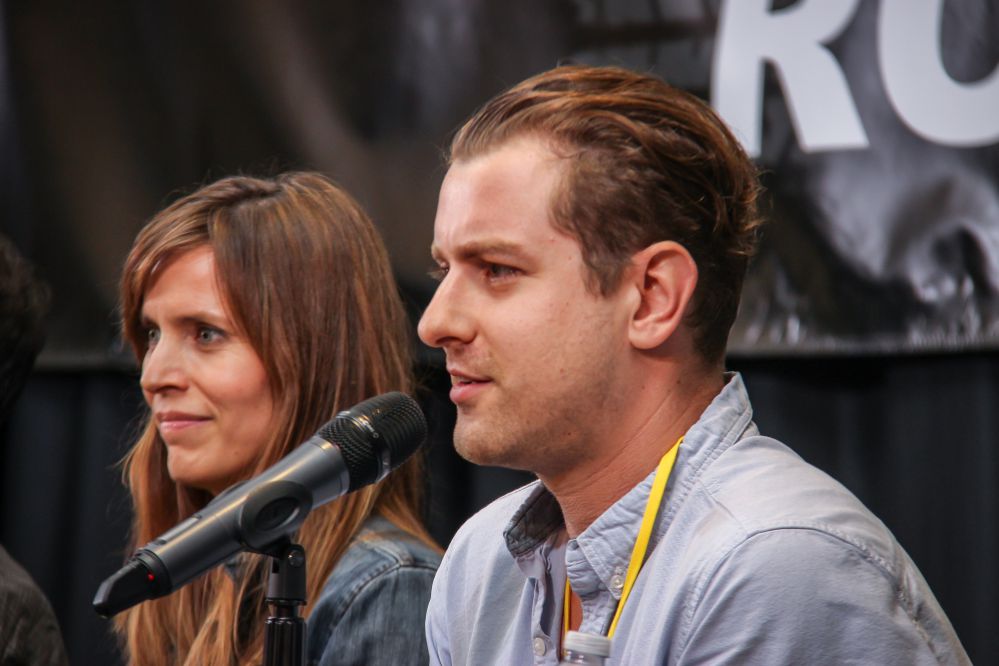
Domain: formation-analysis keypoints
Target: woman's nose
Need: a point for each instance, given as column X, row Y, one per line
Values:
column 162, row 367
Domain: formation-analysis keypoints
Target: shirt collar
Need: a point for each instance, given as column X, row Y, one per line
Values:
column 605, row 546
column 534, row 522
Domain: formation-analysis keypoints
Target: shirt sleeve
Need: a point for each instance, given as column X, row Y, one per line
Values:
column 383, row 623
column 801, row 596
column 437, row 621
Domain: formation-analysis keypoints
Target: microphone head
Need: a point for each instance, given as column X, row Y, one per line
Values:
column 376, row 436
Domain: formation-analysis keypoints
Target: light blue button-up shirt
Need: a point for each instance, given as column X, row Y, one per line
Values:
column 756, row 558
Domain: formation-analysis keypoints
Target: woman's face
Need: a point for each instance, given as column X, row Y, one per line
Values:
column 205, row 385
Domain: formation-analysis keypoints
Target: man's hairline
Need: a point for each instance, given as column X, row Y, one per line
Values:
column 560, row 150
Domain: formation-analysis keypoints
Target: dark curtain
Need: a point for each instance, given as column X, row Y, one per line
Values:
column 914, row 437
column 109, row 108
column 64, row 513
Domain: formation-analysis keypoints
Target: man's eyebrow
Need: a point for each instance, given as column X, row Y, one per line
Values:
column 474, row 249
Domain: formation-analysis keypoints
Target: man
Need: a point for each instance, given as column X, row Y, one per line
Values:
column 29, row 632
column 592, row 235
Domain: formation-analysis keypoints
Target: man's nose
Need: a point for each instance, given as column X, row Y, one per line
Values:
column 448, row 317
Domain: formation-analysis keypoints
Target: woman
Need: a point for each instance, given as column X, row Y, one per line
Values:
column 259, row 309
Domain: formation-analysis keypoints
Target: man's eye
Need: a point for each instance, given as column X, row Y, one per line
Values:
column 499, row 271
column 438, row 272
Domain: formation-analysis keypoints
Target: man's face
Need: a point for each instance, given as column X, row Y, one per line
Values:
column 535, row 357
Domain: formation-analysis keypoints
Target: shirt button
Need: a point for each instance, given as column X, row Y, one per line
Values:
column 617, row 583
column 539, row 646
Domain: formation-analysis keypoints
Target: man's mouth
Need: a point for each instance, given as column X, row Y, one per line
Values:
column 465, row 386
column 461, row 376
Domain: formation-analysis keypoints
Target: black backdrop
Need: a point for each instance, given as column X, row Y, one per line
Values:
column 914, row 437
column 108, row 108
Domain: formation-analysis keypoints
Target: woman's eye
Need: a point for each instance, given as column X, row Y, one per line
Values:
column 152, row 336
column 207, row 334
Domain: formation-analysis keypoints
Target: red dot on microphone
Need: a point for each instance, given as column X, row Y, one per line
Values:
column 150, row 577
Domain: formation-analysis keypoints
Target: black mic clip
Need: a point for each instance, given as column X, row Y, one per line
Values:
column 271, row 513
column 284, row 629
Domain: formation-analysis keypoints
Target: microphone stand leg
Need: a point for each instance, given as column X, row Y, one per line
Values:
column 284, row 637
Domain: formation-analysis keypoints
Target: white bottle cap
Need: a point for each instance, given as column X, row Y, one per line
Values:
column 577, row 641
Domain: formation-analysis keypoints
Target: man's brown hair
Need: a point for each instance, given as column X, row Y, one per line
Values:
column 645, row 162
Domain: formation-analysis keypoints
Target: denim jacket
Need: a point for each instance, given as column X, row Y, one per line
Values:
column 372, row 609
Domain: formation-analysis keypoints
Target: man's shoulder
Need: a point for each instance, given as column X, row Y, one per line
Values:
column 476, row 605
column 758, row 496
column 763, row 544
column 762, row 485
column 488, row 525
column 478, row 551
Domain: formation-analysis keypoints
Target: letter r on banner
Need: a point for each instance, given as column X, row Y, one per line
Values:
column 818, row 99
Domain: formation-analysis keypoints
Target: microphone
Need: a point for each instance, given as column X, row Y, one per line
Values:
column 358, row 447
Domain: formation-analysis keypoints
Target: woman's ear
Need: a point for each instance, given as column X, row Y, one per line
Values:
column 665, row 275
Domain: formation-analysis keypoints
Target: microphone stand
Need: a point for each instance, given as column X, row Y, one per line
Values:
column 284, row 634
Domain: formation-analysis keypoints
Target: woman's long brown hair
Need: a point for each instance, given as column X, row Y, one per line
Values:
column 306, row 278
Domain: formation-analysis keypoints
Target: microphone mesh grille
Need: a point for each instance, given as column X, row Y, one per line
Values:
column 388, row 426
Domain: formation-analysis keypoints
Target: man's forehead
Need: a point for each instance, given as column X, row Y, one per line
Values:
column 499, row 201
column 503, row 234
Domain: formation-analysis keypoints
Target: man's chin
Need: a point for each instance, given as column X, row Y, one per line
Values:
column 491, row 453
column 474, row 453
column 478, row 447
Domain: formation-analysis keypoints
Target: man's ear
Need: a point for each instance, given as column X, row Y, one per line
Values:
column 665, row 275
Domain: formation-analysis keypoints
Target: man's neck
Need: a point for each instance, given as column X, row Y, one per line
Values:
column 587, row 489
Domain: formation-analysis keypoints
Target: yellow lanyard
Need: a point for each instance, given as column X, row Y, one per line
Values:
column 641, row 543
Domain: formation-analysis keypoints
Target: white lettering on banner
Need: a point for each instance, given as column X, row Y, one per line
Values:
column 818, row 99
column 924, row 96
column 819, row 102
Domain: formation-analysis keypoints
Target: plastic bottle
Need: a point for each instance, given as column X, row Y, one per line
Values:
column 588, row 649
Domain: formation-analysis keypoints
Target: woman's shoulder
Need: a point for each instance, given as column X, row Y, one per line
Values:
column 380, row 555
column 380, row 541
column 382, row 580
